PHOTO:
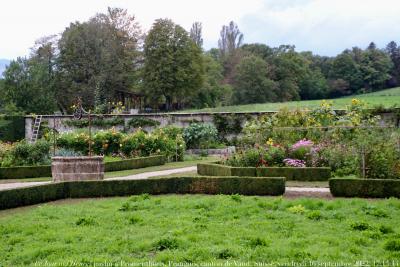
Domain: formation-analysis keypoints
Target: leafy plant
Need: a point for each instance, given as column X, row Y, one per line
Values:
column 200, row 135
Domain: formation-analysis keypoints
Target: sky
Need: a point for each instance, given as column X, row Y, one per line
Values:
column 325, row 27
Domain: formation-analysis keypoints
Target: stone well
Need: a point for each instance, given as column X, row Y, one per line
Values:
column 77, row 168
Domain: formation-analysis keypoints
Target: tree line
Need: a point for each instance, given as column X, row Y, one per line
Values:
column 110, row 52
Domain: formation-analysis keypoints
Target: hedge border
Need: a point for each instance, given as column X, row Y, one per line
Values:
column 13, row 198
column 290, row 173
column 364, row 188
column 21, row 172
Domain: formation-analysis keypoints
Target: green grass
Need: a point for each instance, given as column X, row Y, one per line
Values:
column 195, row 229
column 189, row 161
column 387, row 98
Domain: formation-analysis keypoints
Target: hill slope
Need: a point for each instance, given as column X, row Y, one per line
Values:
column 386, row 98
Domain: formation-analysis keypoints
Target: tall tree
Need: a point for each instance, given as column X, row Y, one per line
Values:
column 99, row 57
column 376, row 66
column 173, row 66
column 196, row 34
column 28, row 87
column 230, row 39
column 394, row 53
column 252, row 84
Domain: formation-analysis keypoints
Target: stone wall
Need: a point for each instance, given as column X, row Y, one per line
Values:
column 165, row 119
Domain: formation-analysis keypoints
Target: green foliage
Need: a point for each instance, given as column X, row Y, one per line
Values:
column 200, row 135
column 137, row 144
column 392, row 245
column 182, row 185
column 107, row 142
column 26, row 154
column 142, row 144
column 136, row 163
column 173, row 64
column 368, row 188
column 166, row 243
column 290, row 173
column 298, row 209
column 12, row 128
column 228, row 124
column 142, row 122
column 253, row 83
column 360, row 226
column 96, row 122
column 97, row 57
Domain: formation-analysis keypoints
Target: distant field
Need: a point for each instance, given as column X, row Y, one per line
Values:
column 387, row 98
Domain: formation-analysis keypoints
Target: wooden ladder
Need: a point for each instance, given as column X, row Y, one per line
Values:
column 36, row 127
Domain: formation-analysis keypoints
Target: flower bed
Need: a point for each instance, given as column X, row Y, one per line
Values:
column 290, row 173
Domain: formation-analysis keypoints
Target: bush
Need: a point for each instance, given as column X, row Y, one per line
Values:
column 290, row 173
column 183, row 185
column 107, row 142
column 78, row 142
column 368, row 188
column 26, row 154
column 200, row 135
column 136, row 163
column 12, row 128
column 142, row 122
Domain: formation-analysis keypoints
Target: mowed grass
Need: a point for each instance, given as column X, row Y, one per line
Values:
column 387, row 98
column 200, row 229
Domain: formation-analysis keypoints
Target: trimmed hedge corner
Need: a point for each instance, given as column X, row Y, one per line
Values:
column 25, row 172
column 45, row 170
column 366, row 188
column 136, row 163
column 182, row 185
column 290, row 173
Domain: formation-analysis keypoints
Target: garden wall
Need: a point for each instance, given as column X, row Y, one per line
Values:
column 62, row 122
column 367, row 188
column 290, row 173
column 183, row 185
column 45, row 171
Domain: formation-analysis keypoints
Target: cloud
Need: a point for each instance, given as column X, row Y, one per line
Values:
column 323, row 26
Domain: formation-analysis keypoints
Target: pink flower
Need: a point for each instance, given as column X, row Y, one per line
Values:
column 294, row 163
column 302, row 143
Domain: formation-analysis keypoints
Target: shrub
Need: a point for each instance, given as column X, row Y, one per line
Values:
column 79, row 142
column 200, row 135
column 107, row 142
column 375, row 188
column 26, row 154
column 142, row 122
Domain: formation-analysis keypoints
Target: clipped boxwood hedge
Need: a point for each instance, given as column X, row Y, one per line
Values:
column 290, row 173
column 370, row 188
column 182, row 185
column 45, row 170
column 136, row 163
column 25, row 172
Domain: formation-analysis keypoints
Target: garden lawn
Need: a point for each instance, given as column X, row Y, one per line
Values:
column 386, row 98
column 197, row 228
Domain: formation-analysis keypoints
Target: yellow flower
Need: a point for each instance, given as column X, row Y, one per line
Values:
column 355, row 101
column 120, row 145
column 270, row 142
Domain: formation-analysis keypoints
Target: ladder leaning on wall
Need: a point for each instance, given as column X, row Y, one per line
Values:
column 36, row 127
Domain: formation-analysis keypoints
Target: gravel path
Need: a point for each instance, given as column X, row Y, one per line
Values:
column 146, row 175
column 290, row 191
